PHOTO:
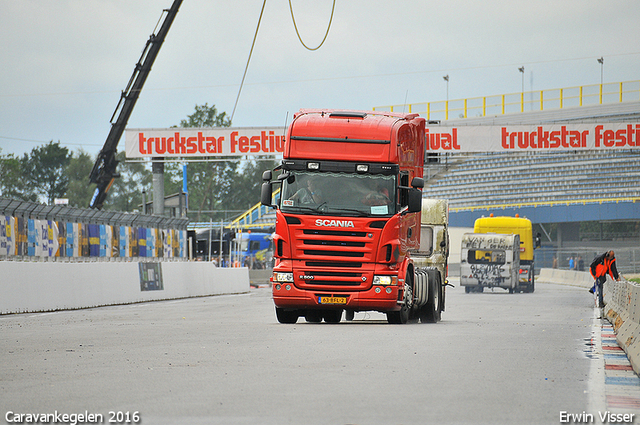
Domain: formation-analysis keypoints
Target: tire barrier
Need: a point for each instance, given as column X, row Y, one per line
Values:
column 622, row 308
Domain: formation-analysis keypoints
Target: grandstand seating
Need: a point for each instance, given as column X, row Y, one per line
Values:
column 505, row 178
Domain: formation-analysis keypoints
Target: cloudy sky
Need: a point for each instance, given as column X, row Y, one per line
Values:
column 65, row 62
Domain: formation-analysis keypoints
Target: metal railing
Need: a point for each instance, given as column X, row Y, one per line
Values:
column 31, row 231
column 595, row 94
column 252, row 217
column 627, row 259
column 545, row 204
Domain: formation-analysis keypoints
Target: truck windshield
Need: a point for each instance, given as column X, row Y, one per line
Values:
column 339, row 194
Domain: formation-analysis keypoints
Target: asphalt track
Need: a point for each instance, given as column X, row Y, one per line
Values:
column 495, row 358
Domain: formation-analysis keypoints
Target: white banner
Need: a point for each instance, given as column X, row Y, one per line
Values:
column 514, row 138
column 203, row 142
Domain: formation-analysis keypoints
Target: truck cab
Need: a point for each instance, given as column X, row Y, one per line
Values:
column 521, row 227
column 489, row 260
column 348, row 218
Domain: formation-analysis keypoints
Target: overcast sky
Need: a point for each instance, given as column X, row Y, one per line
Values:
column 65, row 62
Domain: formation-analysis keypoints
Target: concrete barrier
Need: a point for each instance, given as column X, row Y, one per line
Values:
column 623, row 311
column 622, row 299
column 565, row 277
column 50, row 286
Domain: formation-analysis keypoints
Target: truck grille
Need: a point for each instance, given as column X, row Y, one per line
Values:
column 335, row 259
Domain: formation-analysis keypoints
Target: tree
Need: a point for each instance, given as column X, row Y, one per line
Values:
column 79, row 191
column 12, row 181
column 44, row 171
column 126, row 192
column 206, row 116
column 220, row 190
column 209, row 183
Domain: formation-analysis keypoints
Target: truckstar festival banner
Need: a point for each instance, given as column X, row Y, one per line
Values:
column 518, row 138
column 207, row 142
column 229, row 141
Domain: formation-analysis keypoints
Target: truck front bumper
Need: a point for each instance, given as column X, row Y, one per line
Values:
column 378, row 298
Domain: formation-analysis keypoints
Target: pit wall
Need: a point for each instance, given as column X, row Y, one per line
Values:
column 50, row 286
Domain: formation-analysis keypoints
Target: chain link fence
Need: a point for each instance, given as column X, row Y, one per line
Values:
column 627, row 259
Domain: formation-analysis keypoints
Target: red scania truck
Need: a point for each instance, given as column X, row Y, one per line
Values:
column 352, row 231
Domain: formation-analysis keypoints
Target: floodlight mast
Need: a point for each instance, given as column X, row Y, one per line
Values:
column 104, row 169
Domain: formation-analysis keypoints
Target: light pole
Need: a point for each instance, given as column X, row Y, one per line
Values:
column 446, row 78
column 521, row 69
column 601, row 62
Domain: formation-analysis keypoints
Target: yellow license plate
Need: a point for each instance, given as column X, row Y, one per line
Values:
column 332, row 300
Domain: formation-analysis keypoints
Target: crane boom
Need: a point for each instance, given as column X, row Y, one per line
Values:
column 104, row 169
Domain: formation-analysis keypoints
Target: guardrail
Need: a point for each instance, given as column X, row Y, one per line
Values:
column 502, row 104
column 31, row 231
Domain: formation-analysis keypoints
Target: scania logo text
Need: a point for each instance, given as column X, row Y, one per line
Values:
column 334, row 223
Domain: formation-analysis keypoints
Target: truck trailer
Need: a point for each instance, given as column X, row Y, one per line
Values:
column 352, row 231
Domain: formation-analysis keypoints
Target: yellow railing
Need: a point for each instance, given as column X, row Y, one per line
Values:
column 595, row 94
column 249, row 218
column 545, row 204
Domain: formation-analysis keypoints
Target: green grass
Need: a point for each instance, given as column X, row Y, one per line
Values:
column 635, row 279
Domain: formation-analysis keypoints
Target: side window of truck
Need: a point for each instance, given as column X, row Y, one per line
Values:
column 404, row 181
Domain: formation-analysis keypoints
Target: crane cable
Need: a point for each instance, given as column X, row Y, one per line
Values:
column 325, row 35
column 254, row 43
column 248, row 59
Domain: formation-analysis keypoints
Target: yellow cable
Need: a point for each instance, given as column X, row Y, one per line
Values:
column 325, row 35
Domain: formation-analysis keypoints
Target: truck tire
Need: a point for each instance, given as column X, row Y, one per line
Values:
column 286, row 316
column 349, row 315
column 332, row 316
column 313, row 316
column 430, row 313
column 402, row 316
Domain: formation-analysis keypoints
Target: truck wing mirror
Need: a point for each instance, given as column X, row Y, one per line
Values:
column 266, row 176
column 417, row 182
column 414, row 201
column 266, row 193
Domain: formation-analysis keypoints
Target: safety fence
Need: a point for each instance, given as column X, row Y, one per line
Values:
column 594, row 94
column 31, row 231
column 579, row 258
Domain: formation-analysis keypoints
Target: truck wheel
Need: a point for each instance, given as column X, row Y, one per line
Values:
column 286, row 316
column 332, row 316
column 401, row 317
column 431, row 311
column 313, row 316
column 349, row 315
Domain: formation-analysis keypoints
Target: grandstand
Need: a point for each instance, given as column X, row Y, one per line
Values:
column 496, row 179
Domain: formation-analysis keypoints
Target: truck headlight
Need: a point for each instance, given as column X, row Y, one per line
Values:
column 283, row 277
column 385, row 280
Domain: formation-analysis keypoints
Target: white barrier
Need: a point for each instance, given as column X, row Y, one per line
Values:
column 49, row 286
column 622, row 307
column 623, row 311
column 565, row 277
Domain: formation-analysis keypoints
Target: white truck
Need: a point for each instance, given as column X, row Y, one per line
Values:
column 430, row 261
column 490, row 260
